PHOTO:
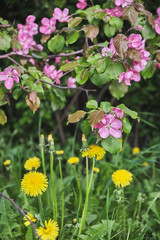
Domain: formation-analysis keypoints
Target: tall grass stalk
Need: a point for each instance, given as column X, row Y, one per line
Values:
column 62, row 193
column 79, row 190
column 54, row 202
column 124, row 215
column 88, row 187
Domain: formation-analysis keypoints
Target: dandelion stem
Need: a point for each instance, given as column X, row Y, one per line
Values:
column 88, row 187
column 62, row 194
column 40, row 204
column 53, row 188
column 44, row 170
column 124, row 216
column 79, row 190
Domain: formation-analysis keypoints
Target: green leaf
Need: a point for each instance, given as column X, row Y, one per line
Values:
column 106, row 106
column 116, row 22
column 39, row 55
column 114, row 70
column 92, row 104
column 2, row 91
column 111, row 144
column 34, row 87
column 103, row 64
column 148, row 71
column 56, row 43
column 29, row 234
column 109, row 30
column 3, row 117
column 72, row 37
column 82, row 74
column 100, row 79
column 35, row 72
column 149, row 32
column 74, row 22
column 5, row 41
column 94, row 59
column 69, row 66
column 118, row 90
column 17, row 93
column 127, row 111
column 126, row 125
column 86, row 128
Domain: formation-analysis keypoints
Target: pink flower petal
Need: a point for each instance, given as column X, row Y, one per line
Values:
column 115, row 133
column 103, row 132
column 116, row 124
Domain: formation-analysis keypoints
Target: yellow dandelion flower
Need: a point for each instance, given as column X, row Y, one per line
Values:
column 60, row 152
column 31, row 218
column 42, row 135
column 94, row 151
column 73, row 160
column 135, row 150
column 34, row 183
column 7, row 162
column 75, row 220
column 50, row 231
column 145, row 164
column 122, row 178
column 32, row 164
column 96, row 170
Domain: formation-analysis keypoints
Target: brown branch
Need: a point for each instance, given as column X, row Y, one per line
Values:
column 14, row 61
column 22, row 212
column 65, row 54
column 60, row 87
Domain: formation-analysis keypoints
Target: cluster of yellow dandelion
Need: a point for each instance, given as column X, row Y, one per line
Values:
column 94, row 151
column 50, row 231
column 96, row 170
column 31, row 218
column 34, row 183
column 32, row 164
column 73, row 160
column 122, row 178
column 135, row 150
column 7, row 162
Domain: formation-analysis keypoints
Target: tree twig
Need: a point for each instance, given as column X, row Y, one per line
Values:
column 22, row 212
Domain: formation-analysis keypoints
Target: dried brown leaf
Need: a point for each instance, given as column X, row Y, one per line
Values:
column 134, row 54
column 33, row 106
column 23, row 61
column 19, row 70
column 121, row 44
column 32, row 96
column 96, row 117
column 45, row 38
column 75, row 117
column 139, row 7
column 91, row 31
column 150, row 17
column 130, row 13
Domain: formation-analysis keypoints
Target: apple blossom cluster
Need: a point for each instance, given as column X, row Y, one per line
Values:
column 118, row 10
column 81, row 4
column 157, row 22
column 25, row 35
column 61, row 16
column 135, row 42
column 9, row 76
column 52, row 73
column 48, row 25
column 110, row 124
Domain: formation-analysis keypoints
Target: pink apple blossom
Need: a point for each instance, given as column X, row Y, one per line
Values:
column 71, row 82
column 81, row 4
column 134, row 40
column 48, row 25
column 158, row 65
column 25, row 40
column 111, row 50
column 158, row 11
column 31, row 60
column 117, row 112
column 128, row 76
column 109, row 125
column 9, row 75
column 115, row 12
column 58, row 60
column 61, row 16
column 52, row 73
column 139, row 28
column 157, row 25
column 124, row 3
